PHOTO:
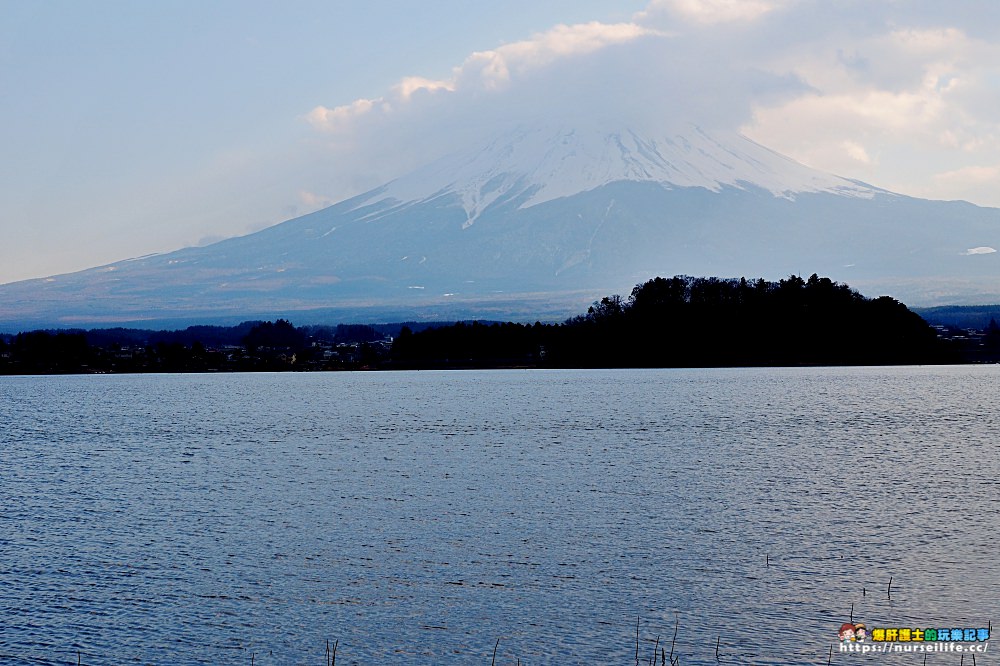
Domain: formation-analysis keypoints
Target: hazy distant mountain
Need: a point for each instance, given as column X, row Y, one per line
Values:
column 539, row 222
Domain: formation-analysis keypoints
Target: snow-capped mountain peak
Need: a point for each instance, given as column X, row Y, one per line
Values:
column 540, row 164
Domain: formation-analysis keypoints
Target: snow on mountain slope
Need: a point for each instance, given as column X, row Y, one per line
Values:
column 536, row 165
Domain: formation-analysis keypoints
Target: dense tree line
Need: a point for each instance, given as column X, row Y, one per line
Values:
column 665, row 322
column 250, row 346
column 687, row 321
column 210, row 336
column 42, row 352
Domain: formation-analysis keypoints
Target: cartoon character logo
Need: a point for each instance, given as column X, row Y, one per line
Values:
column 860, row 632
column 846, row 632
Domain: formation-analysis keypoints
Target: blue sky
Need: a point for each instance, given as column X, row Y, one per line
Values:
column 130, row 128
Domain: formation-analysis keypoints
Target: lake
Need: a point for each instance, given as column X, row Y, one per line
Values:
column 420, row 517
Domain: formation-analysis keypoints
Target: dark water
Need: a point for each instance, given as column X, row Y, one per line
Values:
column 419, row 517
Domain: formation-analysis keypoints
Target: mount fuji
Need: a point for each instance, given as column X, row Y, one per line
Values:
column 537, row 223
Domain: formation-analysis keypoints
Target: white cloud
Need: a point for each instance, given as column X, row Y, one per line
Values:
column 711, row 11
column 894, row 105
column 979, row 250
column 559, row 42
column 972, row 174
column 900, row 94
column 971, row 183
column 337, row 118
column 313, row 201
column 412, row 85
column 857, row 152
column 485, row 71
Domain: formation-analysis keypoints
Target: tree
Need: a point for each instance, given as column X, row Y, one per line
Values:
column 280, row 335
column 607, row 309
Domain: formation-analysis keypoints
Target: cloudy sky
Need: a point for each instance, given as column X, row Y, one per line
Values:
column 130, row 128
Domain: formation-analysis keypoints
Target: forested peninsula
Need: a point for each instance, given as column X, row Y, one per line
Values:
column 698, row 322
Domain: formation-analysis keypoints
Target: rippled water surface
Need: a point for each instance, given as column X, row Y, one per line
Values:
column 419, row 517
